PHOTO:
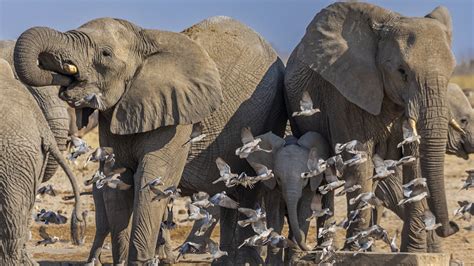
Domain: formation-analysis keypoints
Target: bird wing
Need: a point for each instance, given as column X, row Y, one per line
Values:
column 227, row 202
column 306, row 102
column 197, row 130
column 429, row 218
column 213, row 247
column 193, row 208
column 316, row 203
column 223, row 167
column 246, row 135
column 260, row 169
column 201, row 195
column 248, row 212
column 76, row 141
column 42, row 232
column 378, row 162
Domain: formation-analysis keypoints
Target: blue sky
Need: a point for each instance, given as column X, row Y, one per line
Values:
column 281, row 22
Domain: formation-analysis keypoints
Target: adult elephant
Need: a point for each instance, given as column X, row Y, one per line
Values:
column 150, row 86
column 27, row 148
column 365, row 67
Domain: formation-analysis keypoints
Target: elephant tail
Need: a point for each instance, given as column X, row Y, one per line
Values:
column 76, row 218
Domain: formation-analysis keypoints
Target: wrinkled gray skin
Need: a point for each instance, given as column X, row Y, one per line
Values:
column 390, row 189
column 28, row 144
column 154, row 85
column 368, row 68
column 469, row 92
column 287, row 194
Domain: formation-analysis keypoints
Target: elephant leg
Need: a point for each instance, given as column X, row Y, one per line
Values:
column 164, row 248
column 433, row 242
column 118, row 205
column 233, row 235
column 167, row 162
column 275, row 208
column 215, row 212
column 358, row 175
column 101, row 224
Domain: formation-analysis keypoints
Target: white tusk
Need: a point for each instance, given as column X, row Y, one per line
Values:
column 70, row 68
column 412, row 124
column 456, row 126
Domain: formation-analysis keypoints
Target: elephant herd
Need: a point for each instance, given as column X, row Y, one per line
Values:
column 371, row 73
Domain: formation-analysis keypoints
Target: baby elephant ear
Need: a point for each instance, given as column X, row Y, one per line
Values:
column 178, row 83
column 313, row 140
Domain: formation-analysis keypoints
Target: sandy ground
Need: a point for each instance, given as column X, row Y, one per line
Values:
column 460, row 245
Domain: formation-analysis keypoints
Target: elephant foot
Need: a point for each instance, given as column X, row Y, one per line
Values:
column 274, row 258
column 433, row 243
column 243, row 256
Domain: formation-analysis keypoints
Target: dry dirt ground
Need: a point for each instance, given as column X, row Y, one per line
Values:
column 460, row 245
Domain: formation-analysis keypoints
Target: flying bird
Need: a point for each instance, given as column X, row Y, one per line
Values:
column 327, row 230
column 47, row 190
column 465, row 210
column 350, row 186
column 253, row 215
column 357, row 159
column 99, row 155
column 201, row 200
column 79, row 147
column 47, row 239
column 206, row 223
column 169, row 192
column 352, row 147
column 317, row 208
column 306, row 106
column 196, row 134
column 225, row 172
column 195, row 213
column 251, row 144
column 315, row 164
column 368, row 198
column 279, row 241
column 98, row 175
column 393, row 242
column 50, row 217
column 332, row 183
column 215, row 251
column 153, row 184
column 469, row 181
column 430, row 221
column 187, row 247
column 409, row 133
column 363, row 245
column 223, row 200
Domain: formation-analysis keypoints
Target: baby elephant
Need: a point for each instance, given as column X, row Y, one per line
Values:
column 288, row 193
column 27, row 143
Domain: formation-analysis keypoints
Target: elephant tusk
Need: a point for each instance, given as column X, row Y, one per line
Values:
column 412, row 124
column 456, row 126
column 70, row 68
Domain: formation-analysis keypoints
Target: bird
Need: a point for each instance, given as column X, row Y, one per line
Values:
column 254, row 241
column 195, row 213
column 263, row 173
column 46, row 238
column 327, row 229
column 279, row 241
column 196, row 134
column 409, row 133
column 215, row 251
column 430, row 221
column 201, row 200
column 243, row 180
column 99, row 155
column 315, row 164
column 381, row 169
column 206, row 223
column 363, row 245
column 251, row 144
column 47, row 190
column 465, row 210
column 357, row 159
column 317, row 208
column 368, row 197
column 469, row 181
column 332, row 183
column 414, row 191
column 79, row 147
column 352, row 147
column 349, row 186
column 169, row 222
column 171, row 191
column 393, row 242
column 187, row 247
column 153, row 184
column 223, row 200
column 336, row 165
column 306, row 106
column 112, row 180
column 414, row 198
column 93, row 100
column 116, row 183
column 353, row 217
column 225, row 172
column 253, row 216
column 327, row 254
column 98, row 175
column 50, row 217
column 413, row 184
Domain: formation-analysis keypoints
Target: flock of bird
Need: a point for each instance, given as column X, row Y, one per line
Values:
column 333, row 168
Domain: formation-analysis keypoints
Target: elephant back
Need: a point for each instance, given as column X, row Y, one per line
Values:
column 252, row 87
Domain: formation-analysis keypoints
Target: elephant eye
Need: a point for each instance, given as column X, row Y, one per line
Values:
column 463, row 121
column 106, row 52
column 403, row 73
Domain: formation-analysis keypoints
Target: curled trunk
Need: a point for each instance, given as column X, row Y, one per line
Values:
column 30, row 46
column 292, row 207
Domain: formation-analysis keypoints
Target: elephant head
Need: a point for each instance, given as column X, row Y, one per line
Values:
column 288, row 160
column 376, row 58
column 461, row 132
column 145, row 78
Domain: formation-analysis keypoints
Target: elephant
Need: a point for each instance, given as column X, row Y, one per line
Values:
column 288, row 194
column 460, row 143
column 469, row 92
column 27, row 149
column 366, row 67
column 150, row 87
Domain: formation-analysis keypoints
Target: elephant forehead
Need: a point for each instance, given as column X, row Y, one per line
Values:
column 291, row 160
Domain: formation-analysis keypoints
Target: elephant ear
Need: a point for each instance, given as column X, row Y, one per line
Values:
column 315, row 141
column 177, row 83
column 271, row 142
column 340, row 44
column 442, row 15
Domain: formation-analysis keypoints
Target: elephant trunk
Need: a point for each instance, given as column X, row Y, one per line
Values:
column 292, row 198
column 433, row 127
column 30, row 46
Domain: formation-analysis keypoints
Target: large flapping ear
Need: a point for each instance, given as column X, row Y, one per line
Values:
column 313, row 140
column 442, row 15
column 340, row 44
column 271, row 142
column 177, row 83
